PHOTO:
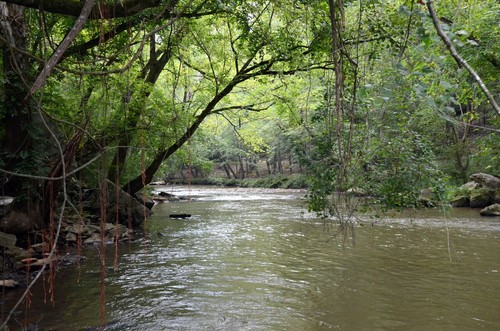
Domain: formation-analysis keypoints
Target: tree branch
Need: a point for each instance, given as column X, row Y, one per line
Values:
column 461, row 62
column 99, row 10
column 56, row 57
column 243, row 107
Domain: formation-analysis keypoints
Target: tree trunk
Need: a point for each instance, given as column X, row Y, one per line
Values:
column 138, row 183
column 269, row 171
column 231, row 170
column 226, row 169
column 150, row 75
column 17, row 113
column 122, row 8
column 242, row 167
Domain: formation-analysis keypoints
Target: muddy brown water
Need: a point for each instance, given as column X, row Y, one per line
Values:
column 257, row 260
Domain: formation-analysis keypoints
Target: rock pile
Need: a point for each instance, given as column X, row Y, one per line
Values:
column 73, row 232
column 483, row 191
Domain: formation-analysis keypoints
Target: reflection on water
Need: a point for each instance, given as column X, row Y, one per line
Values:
column 256, row 260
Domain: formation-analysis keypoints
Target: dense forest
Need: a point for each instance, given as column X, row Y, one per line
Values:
column 388, row 97
column 100, row 98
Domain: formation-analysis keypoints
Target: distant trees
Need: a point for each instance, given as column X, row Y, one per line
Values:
column 390, row 126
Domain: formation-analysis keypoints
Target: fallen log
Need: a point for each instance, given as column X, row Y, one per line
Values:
column 180, row 216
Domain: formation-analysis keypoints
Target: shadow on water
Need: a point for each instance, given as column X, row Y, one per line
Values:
column 256, row 260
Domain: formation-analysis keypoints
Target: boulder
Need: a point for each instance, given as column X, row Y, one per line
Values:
column 121, row 230
column 480, row 198
column 91, row 228
column 16, row 222
column 95, row 238
column 496, row 198
column 17, row 252
column 460, row 201
column 39, row 263
column 492, row 210
column 130, row 211
column 71, row 237
column 469, row 186
column 145, row 200
column 486, row 180
column 42, row 247
column 7, row 240
column 169, row 196
column 5, row 202
column 425, row 198
column 77, row 228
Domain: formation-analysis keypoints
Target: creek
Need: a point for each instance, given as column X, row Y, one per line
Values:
column 257, row 260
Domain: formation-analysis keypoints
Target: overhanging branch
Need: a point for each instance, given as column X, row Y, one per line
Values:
column 56, row 57
column 461, row 62
column 99, row 10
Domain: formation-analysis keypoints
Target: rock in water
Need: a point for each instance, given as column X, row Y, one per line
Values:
column 493, row 210
column 461, row 201
column 480, row 198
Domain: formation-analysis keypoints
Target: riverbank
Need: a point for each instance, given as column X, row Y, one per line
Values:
column 295, row 181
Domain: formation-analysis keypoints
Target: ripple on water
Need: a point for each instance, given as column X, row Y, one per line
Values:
column 257, row 260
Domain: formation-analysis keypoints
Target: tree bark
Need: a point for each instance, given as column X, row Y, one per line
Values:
column 339, row 79
column 17, row 113
column 99, row 10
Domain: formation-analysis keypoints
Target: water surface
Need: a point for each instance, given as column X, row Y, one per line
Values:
column 256, row 260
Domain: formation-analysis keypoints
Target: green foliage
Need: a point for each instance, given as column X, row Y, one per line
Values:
column 398, row 131
column 486, row 157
